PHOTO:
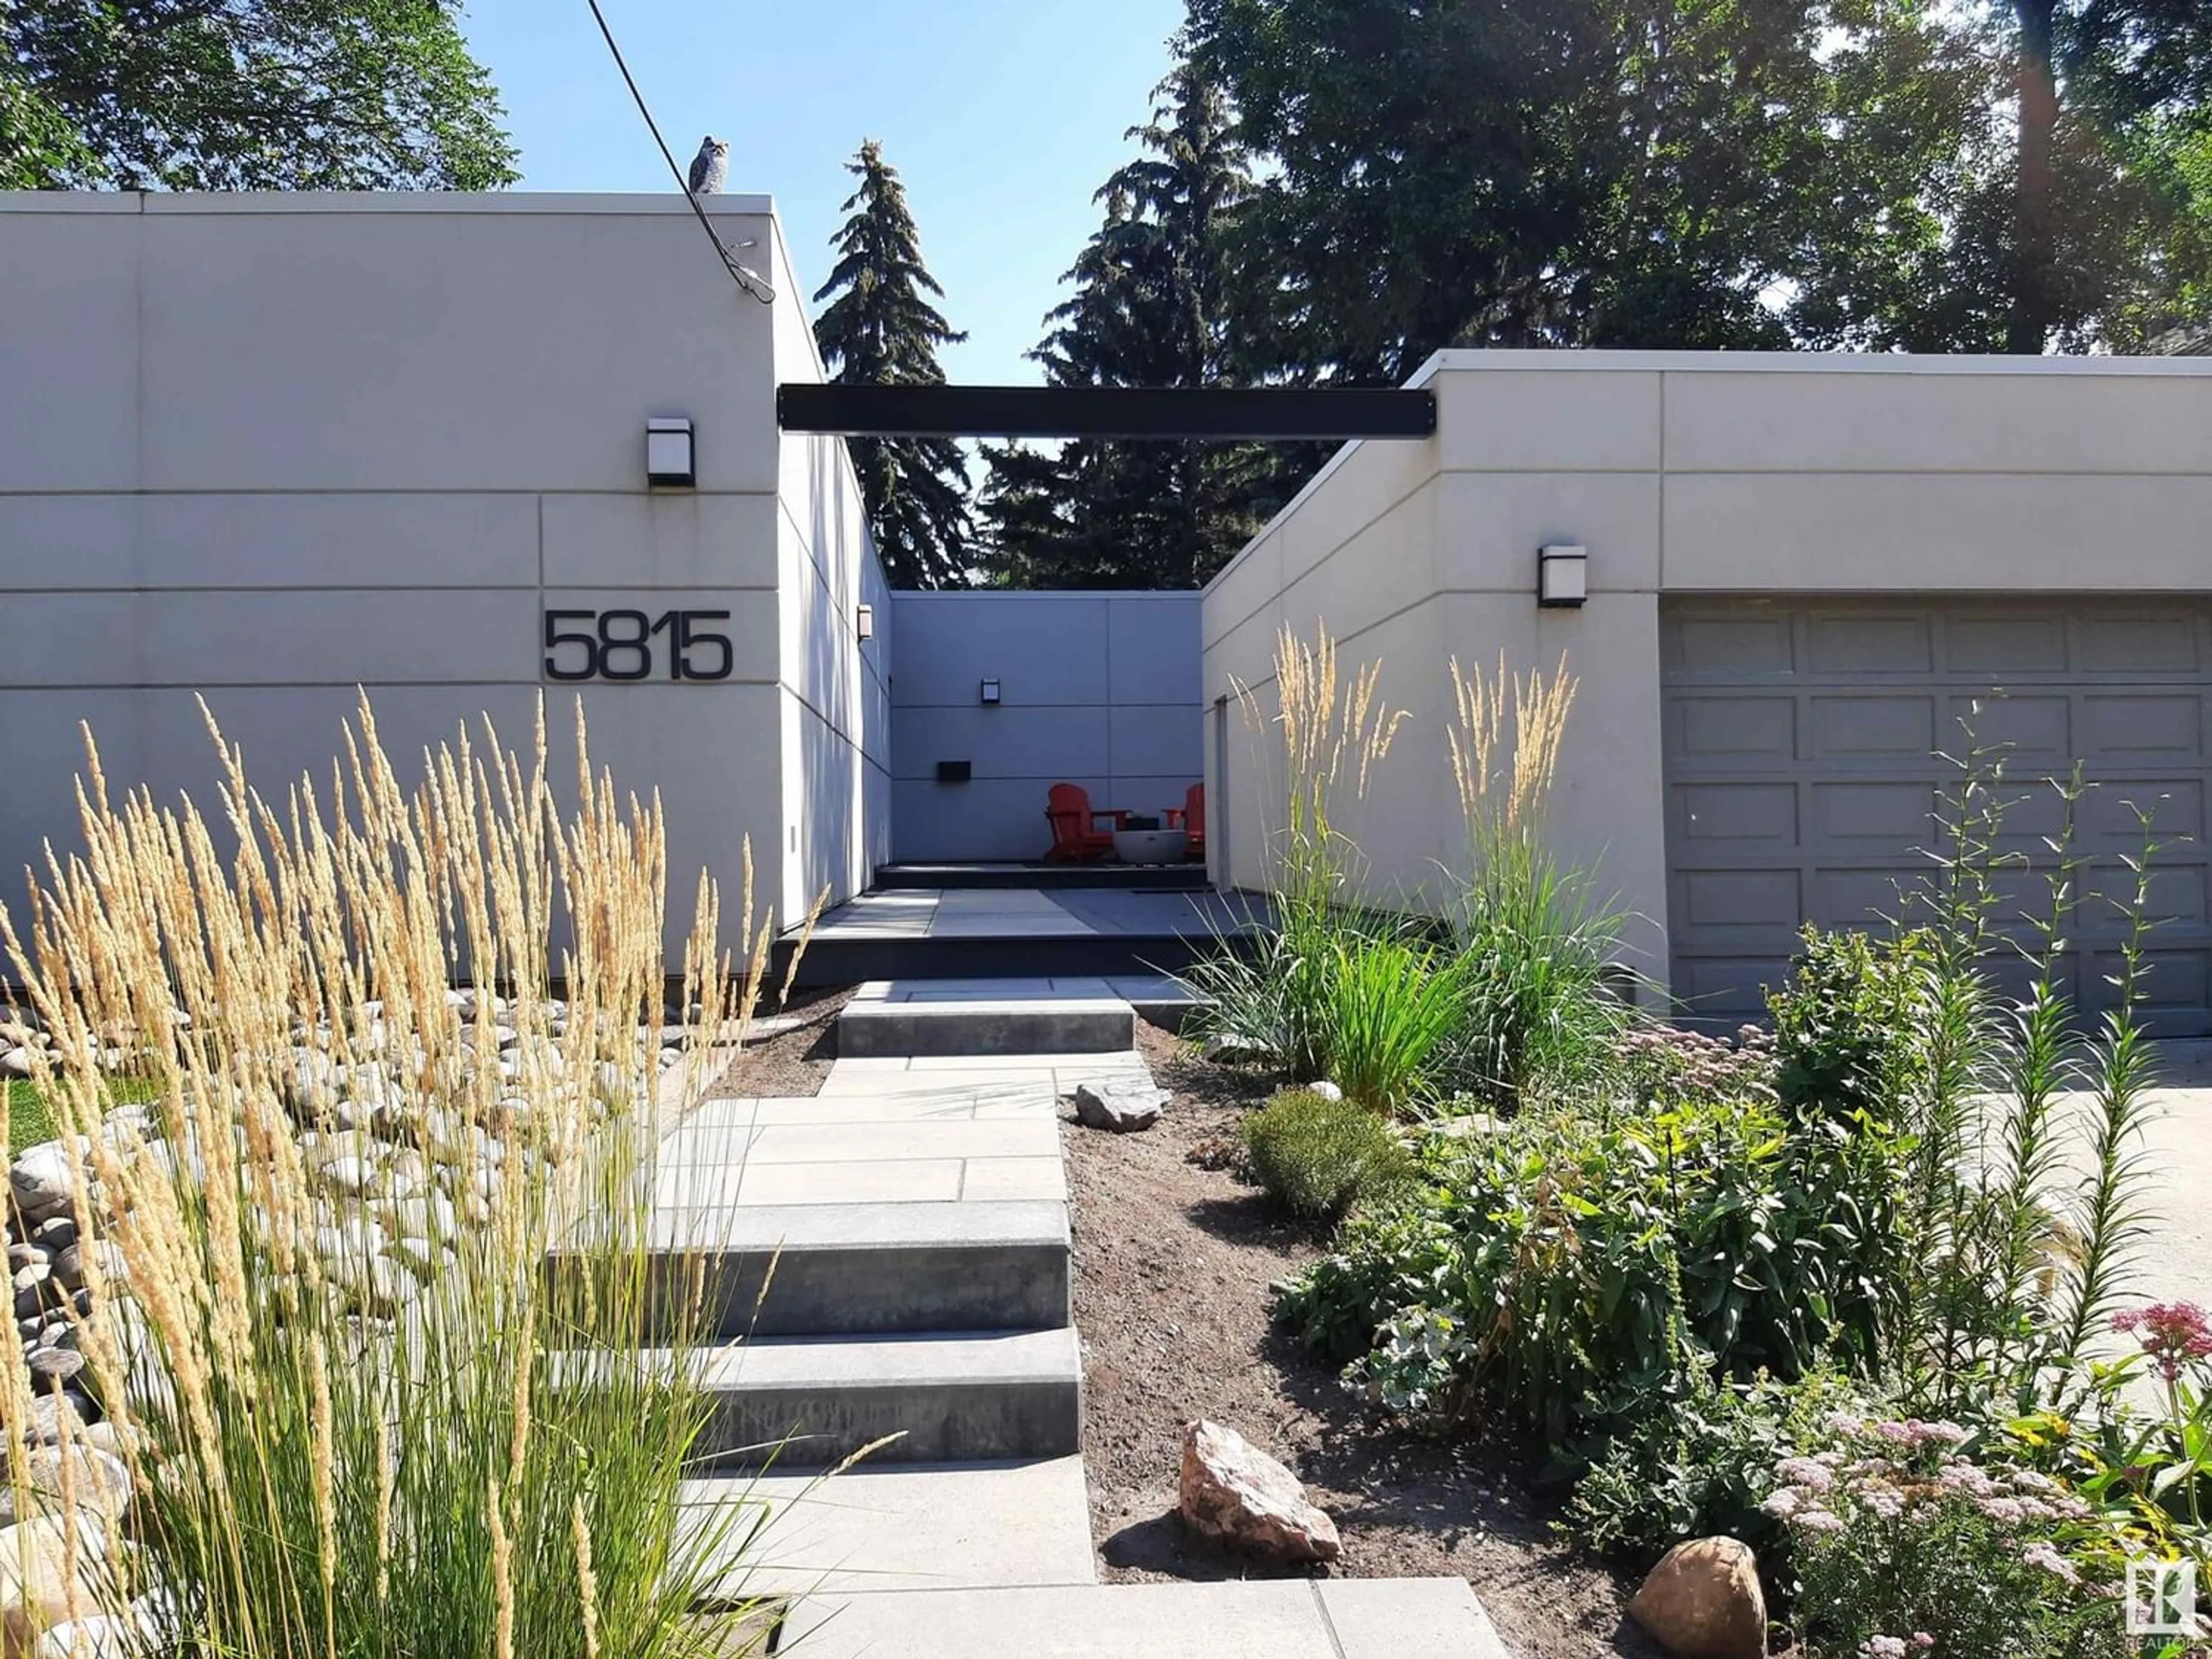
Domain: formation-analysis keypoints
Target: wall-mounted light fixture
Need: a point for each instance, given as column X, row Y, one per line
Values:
column 1562, row 576
column 668, row 451
column 990, row 693
column 864, row 623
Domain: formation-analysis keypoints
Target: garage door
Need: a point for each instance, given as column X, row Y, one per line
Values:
column 1802, row 772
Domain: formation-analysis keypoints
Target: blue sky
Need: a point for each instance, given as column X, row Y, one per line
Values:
column 1003, row 116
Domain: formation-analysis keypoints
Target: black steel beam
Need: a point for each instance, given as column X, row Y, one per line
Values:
column 1044, row 411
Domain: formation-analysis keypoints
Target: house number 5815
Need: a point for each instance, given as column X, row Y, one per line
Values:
column 622, row 645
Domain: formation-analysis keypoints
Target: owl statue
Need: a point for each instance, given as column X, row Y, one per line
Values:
column 710, row 167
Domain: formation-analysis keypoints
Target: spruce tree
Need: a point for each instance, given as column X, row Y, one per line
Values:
column 1148, row 310
column 881, row 329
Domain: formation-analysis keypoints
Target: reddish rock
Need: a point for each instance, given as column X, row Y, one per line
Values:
column 1237, row 1494
column 1703, row 1601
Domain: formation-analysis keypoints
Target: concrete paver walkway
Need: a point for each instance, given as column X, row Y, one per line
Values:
column 907, row 1226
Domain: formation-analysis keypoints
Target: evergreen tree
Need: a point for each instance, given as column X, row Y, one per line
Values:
column 881, row 330
column 1149, row 309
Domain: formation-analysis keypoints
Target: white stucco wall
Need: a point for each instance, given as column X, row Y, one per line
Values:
column 1682, row 474
column 270, row 448
column 1097, row 689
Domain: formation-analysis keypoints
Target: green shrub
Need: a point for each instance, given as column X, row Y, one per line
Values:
column 1579, row 1261
column 1317, row 1157
column 1850, row 1026
column 1705, row 1464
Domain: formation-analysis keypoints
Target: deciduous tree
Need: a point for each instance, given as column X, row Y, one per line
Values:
column 248, row 95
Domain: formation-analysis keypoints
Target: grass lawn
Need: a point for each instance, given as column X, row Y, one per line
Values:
column 29, row 1122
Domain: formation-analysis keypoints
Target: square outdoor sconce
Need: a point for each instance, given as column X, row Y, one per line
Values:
column 990, row 693
column 668, row 459
column 864, row 623
column 1562, row 576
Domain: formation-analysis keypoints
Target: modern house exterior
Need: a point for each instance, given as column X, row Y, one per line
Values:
column 1801, row 572
column 270, row 448
column 465, row 451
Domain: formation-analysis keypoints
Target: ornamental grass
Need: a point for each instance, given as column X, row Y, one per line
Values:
column 336, row 1448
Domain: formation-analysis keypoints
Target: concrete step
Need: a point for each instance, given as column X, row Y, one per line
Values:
column 1271, row 1619
column 867, row 1270
column 806, row 1402
column 925, row 1526
column 848, row 959
column 887, row 1026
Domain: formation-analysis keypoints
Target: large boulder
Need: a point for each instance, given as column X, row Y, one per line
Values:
column 1237, row 1494
column 1703, row 1601
column 1119, row 1104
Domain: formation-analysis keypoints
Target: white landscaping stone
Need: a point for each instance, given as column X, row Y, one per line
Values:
column 1119, row 1103
column 41, row 1182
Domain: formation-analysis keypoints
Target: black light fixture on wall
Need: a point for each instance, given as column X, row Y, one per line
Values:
column 1562, row 577
column 669, row 452
column 990, row 694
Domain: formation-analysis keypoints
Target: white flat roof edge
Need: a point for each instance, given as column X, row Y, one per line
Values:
column 376, row 201
column 1579, row 360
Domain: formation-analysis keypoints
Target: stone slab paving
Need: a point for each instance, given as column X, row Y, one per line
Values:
column 1276, row 1618
column 963, row 1558
column 929, row 1528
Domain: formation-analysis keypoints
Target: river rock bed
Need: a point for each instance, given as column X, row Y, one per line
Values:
column 396, row 1176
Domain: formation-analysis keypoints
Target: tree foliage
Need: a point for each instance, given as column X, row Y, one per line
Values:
column 1992, row 175
column 881, row 329
column 246, row 94
column 1149, row 308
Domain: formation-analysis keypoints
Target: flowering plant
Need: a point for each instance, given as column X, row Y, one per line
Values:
column 1903, row 1543
column 1666, row 1064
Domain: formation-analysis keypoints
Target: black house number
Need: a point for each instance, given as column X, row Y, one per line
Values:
column 623, row 645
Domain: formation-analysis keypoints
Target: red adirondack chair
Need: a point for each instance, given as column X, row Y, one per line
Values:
column 1190, row 818
column 1076, row 836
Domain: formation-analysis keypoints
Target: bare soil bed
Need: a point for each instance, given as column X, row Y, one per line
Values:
column 792, row 1064
column 1175, row 1254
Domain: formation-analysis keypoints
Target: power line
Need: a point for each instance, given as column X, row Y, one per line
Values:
column 746, row 279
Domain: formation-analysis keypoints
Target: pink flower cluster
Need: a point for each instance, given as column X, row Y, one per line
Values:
column 1902, row 1471
column 2175, row 1335
column 1667, row 1061
column 1896, row 1647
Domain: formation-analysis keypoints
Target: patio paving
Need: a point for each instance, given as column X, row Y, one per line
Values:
column 1032, row 912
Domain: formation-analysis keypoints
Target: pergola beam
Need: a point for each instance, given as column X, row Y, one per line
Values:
column 1279, row 413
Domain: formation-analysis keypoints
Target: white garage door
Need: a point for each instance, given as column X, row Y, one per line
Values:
column 1802, row 765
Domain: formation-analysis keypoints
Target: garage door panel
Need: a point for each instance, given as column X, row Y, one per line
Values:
column 2138, row 642
column 1740, row 898
column 1725, row 728
column 1727, row 990
column 2174, row 895
column 2110, row 817
column 2034, row 730
column 1742, row 814
column 1803, row 770
column 1889, row 728
column 1718, row 648
column 2143, row 726
column 1903, row 813
column 2175, row 982
column 1850, row 644
column 2002, row 645
column 1862, row 898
